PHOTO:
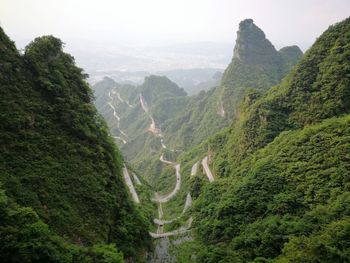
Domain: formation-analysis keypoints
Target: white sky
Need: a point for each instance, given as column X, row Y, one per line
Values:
column 164, row 22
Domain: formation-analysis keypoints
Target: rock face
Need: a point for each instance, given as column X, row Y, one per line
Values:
column 252, row 45
column 256, row 64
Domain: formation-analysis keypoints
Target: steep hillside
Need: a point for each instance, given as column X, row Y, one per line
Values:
column 256, row 64
column 289, row 201
column 61, row 184
column 185, row 121
column 281, row 190
column 316, row 89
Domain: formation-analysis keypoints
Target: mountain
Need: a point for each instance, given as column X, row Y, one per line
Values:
column 281, row 170
column 135, row 115
column 191, row 80
column 255, row 65
column 254, row 170
column 186, row 121
column 62, row 194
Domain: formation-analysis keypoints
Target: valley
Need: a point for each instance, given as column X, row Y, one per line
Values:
column 180, row 162
column 249, row 164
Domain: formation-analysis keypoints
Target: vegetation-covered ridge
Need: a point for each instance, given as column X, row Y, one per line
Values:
column 61, row 186
column 186, row 121
column 283, row 168
column 316, row 89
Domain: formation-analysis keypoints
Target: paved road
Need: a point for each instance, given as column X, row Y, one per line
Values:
column 122, row 100
column 180, row 230
column 160, row 228
column 143, row 104
column 161, row 158
column 207, row 170
column 188, row 203
column 114, row 113
column 117, row 118
column 162, row 143
column 130, row 185
column 194, row 169
column 120, row 138
column 153, row 127
column 164, row 199
column 136, row 179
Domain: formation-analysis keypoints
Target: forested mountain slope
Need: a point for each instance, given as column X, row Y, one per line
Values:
column 62, row 194
column 187, row 121
column 255, row 65
column 282, row 169
column 316, row 89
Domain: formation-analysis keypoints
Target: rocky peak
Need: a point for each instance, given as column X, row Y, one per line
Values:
column 252, row 45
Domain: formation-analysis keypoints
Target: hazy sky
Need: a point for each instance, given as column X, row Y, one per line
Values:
column 163, row 22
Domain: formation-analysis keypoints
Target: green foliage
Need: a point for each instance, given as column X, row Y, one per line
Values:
column 316, row 89
column 188, row 121
column 294, row 186
column 25, row 238
column 106, row 254
column 283, row 167
column 330, row 244
column 57, row 158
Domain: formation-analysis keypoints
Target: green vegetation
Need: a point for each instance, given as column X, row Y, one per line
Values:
column 25, row 238
column 293, row 189
column 59, row 168
column 283, row 167
column 188, row 121
column 316, row 89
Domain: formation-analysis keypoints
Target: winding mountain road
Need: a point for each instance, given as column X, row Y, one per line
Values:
column 164, row 199
column 187, row 205
column 162, row 143
column 161, row 158
column 122, row 100
column 207, row 170
column 143, row 104
column 110, row 103
column 194, row 169
column 120, row 138
column 136, row 179
column 130, row 185
column 180, row 230
column 160, row 228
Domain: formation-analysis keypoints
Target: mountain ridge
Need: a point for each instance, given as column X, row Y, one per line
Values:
column 187, row 121
column 61, row 184
column 281, row 168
